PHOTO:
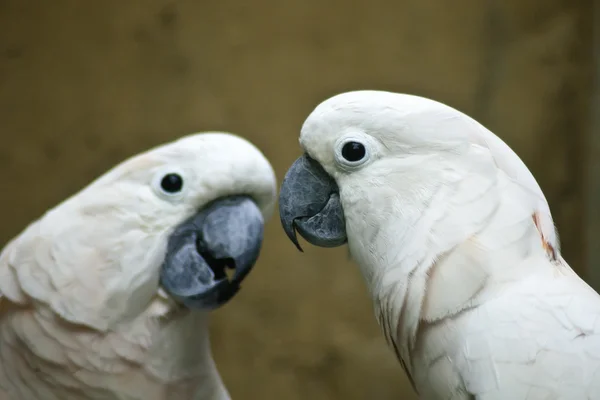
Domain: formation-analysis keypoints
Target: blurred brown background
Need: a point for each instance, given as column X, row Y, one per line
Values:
column 85, row 84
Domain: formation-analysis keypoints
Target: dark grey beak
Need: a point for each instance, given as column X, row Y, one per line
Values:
column 309, row 202
column 226, row 234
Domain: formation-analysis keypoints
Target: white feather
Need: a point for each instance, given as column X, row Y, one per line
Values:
column 81, row 313
column 457, row 246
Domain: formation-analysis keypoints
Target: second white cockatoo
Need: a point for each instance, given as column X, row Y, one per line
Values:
column 107, row 295
column 457, row 246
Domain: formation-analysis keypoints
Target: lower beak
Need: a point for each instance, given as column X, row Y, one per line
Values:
column 309, row 202
column 225, row 235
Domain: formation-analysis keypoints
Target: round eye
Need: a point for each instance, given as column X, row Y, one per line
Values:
column 171, row 183
column 353, row 151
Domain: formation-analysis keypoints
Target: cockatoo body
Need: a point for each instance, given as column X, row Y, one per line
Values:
column 456, row 243
column 107, row 295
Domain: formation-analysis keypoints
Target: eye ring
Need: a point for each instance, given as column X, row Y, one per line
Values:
column 169, row 183
column 352, row 152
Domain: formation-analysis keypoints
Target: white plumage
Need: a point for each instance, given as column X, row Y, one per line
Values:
column 457, row 246
column 81, row 312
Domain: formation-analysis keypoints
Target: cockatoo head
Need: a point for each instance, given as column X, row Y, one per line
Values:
column 375, row 161
column 176, row 217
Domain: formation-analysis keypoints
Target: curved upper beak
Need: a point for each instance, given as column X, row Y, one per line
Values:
column 227, row 234
column 309, row 202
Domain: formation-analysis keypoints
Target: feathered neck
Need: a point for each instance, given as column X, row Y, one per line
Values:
column 432, row 259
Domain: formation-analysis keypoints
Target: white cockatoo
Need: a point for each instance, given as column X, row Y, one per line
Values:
column 107, row 295
column 457, row 246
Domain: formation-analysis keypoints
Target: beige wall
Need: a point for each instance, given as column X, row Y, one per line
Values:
column 86, row 84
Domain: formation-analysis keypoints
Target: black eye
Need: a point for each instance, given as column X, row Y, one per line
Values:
column 171, row 183
column 353, row 151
